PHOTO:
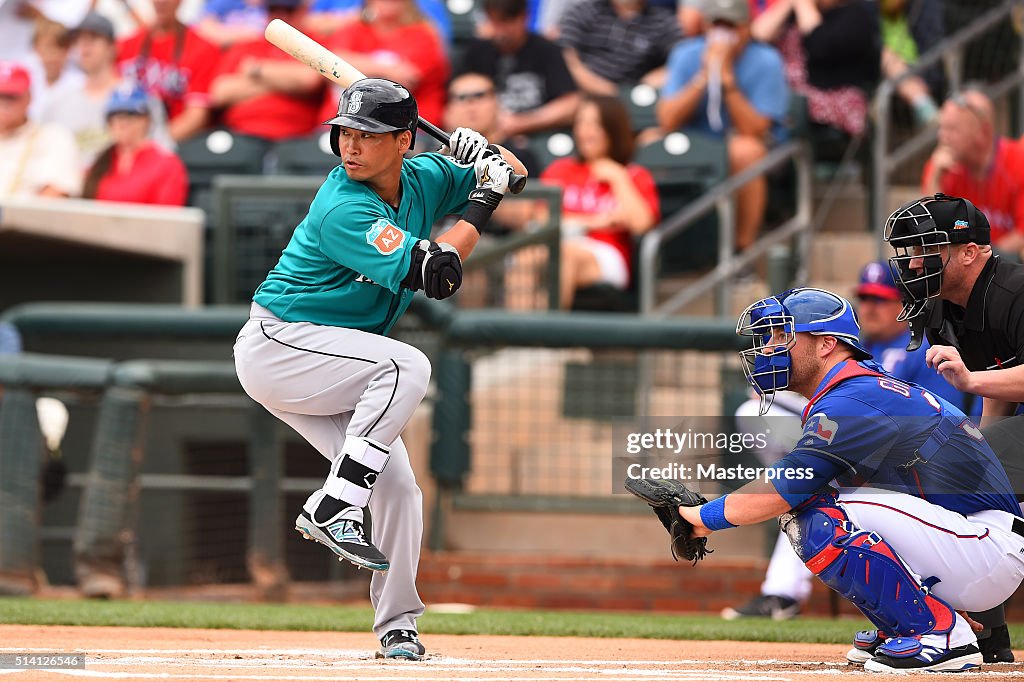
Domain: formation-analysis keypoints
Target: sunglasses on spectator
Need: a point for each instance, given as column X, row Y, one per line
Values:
column 961, row 101
column 470, row 96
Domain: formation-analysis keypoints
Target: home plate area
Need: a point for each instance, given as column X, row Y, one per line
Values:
column 182, row 654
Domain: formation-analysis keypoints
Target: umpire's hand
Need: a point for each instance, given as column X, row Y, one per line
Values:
column 946, row 361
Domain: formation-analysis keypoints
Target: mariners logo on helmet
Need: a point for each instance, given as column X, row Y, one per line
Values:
column 354, row 102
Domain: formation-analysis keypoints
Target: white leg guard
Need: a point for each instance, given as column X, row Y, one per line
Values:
column 354, row 472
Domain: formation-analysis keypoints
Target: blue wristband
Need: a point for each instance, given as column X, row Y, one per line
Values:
column 712, row 515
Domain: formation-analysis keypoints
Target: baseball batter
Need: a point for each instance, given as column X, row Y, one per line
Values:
column 315, row 352
column 924, row 524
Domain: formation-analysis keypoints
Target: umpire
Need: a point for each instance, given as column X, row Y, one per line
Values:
column 970, row 304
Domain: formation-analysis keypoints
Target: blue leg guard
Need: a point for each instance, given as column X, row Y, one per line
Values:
column 862, row 567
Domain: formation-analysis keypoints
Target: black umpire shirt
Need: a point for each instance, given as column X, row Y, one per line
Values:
column 989, row 333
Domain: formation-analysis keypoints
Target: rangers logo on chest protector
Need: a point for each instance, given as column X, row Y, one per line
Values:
column 385, row 237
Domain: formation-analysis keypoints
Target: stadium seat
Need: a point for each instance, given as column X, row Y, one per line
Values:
column 547, row 147
column 640, row 100
column 310, row 155
column 463, row 17
column 684, row 165
column 219, row 153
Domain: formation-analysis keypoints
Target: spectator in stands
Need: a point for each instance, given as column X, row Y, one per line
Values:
column 609, row 43
column 473, row 103
column 724, row 84
column 18, row 23
column 535, row 88
column 263, row 91
column 691, row 17
column 226, row 22
column 832, row 51
column 175, row 62
column 909, row 29
column 82, row 110
column 36, row 159
column 327, row 16
column 134, row 168
column 607, row 200
column 55, row 77
column 973, row 162
column 393, row 40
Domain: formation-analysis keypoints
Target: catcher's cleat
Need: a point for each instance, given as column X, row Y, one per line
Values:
column 344, row 537
column 996, row 647
column 909, row 654
column 403, row 644
column 764, row 606
column 865, row 644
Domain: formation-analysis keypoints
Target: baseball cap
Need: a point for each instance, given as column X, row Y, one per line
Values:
column 733, row 11
column 128, row 99
column 97, row 24
column 14, row 79
column 959, row 219
column 876, row 280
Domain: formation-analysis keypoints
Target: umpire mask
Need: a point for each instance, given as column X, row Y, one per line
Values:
column 921, row 234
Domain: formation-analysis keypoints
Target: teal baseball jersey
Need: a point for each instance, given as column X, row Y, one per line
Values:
column 346, row 260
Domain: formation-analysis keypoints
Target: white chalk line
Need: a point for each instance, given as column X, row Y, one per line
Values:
column 712, row 675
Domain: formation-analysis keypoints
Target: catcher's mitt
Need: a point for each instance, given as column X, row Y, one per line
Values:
column 665, row 498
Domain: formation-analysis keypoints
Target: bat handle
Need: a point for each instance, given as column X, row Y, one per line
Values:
column 516, row 184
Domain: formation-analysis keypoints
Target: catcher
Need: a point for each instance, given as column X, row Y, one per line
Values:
column 923, row 522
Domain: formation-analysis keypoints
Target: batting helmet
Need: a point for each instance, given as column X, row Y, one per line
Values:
column 814, row 311
column 374, row 105
column 917, row 232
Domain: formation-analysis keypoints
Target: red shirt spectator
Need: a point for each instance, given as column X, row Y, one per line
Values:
column 174, row 62
column 246, row 84
column 584, row 195
column 152, row 176
column 398, row 44
column 134, row 168
column 999, row 194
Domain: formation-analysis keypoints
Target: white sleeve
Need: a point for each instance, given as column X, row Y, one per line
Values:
column 55, row 160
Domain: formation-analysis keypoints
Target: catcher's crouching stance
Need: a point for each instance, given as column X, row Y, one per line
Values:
column 923, row 524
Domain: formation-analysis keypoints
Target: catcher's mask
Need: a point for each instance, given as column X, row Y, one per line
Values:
column 921, row 233
column 773, row 324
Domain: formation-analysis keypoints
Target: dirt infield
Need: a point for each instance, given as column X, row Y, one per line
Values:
column 179, row 654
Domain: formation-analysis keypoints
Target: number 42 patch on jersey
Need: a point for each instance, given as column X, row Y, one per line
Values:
column 385, row 237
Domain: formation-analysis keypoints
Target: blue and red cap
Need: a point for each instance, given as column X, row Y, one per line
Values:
column 876, row 280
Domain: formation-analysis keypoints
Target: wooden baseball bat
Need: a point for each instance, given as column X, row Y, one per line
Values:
column 331, row 66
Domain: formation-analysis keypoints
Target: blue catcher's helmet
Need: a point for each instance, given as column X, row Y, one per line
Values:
column 813, row 311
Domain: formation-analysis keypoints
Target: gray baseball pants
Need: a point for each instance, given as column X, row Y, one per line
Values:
column 331, row 384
